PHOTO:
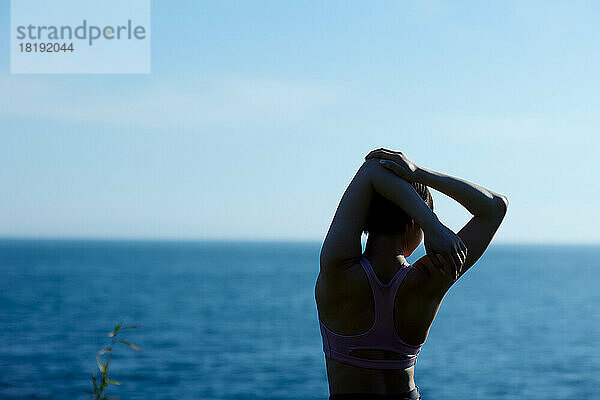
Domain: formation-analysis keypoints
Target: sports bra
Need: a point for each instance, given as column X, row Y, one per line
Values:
column 381, row 336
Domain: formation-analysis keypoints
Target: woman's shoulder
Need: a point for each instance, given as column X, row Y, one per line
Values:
column 425, row 279
column 348, row 274
column 338, row 283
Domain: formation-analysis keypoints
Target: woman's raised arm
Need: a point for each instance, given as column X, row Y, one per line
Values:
column 488, row 208
column 342, row 245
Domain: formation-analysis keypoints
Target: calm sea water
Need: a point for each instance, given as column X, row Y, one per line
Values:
column 238, row 321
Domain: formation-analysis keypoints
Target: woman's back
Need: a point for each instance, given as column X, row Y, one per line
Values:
column 348, row 304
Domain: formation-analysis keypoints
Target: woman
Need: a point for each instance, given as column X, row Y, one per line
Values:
column 375, row 309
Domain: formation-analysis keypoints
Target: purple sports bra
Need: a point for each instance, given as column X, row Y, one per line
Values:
column 381, row 336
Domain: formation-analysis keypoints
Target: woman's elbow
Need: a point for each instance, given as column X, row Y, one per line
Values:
column 500, row 205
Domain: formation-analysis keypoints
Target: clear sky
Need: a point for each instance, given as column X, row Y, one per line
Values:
column 257, row 114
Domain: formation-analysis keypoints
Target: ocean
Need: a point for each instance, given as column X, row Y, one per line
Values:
column 237, row 320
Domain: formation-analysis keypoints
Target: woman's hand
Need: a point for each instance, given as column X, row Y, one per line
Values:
column 395, row 161
column 440, row 240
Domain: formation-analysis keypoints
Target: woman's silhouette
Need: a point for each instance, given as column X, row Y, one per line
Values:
column 375, row 310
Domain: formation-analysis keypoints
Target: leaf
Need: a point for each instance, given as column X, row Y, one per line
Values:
column 117, row 327
column 111, row 382
column 95, row 382
column 133, row 346
column 100, row 365
column 104, row 350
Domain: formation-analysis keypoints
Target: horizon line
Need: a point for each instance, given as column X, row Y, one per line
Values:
column 243, row 240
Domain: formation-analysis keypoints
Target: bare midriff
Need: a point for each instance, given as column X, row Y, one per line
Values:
column 344, row 378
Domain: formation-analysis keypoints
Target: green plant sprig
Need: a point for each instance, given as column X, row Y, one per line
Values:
column 101, row 383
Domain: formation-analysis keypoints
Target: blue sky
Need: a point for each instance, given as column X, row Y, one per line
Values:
column 257, row 114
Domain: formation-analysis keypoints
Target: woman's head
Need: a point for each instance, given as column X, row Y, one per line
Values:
column 386, row 218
